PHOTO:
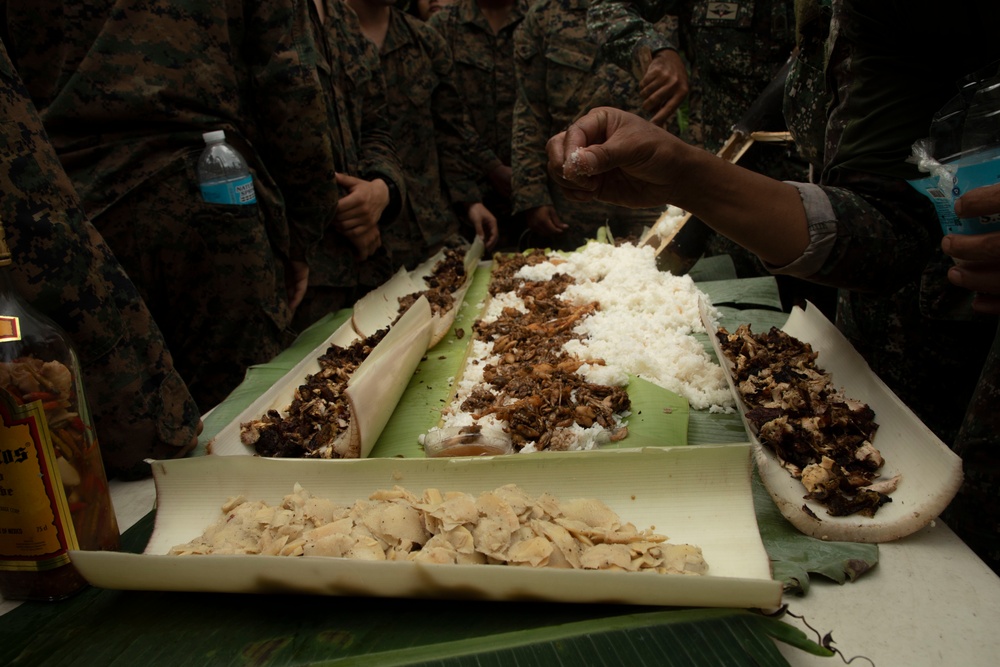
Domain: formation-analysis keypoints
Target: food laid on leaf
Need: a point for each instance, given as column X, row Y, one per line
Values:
column 822, row 437
column 331, row 406
column 550, row 357
column 504, row 526
column 443, row 280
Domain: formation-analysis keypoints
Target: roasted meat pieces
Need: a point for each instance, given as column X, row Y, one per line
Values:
column 447, row 277
column 319, row 415
column 534, row 387
column 820, row 436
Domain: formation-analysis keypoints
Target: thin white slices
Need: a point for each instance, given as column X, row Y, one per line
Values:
column 693, row 495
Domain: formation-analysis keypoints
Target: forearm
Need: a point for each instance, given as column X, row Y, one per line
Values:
column 764, row 215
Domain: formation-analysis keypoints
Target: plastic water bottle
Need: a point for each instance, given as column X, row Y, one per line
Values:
column 223, row 174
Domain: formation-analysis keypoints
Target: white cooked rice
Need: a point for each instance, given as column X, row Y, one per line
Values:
column 644, row 328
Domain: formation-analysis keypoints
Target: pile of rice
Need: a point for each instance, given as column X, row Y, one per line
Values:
column 644, row 327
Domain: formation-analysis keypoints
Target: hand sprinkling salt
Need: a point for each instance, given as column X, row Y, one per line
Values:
column 575, row 165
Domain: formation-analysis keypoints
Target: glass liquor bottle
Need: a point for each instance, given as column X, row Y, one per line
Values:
column 54, row 495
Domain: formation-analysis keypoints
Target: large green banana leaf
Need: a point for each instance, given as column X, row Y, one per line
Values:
column 126, row 628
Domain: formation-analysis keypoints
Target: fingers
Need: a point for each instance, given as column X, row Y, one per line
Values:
column 545, row 221
column 347, row 181
column 570, row 163
column 979, row 201
column 666, row 111
column 973, row 247
column 366, row 245
column 296, row 282
column 988, row 304
column 489, row 231
column 977, row 268
column 663, row 102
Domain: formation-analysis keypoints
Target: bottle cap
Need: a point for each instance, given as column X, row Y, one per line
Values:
column 214, row 137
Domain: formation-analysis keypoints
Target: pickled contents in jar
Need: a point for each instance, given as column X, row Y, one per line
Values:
column 78, row 468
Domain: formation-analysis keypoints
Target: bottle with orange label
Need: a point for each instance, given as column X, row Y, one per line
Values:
column 54, row 495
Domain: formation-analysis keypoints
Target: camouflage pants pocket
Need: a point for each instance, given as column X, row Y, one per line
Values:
column 209, row 275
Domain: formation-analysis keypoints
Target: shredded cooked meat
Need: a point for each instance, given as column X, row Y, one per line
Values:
column 534, row 388
column 319, row 414
column 821, row 437
column 446, row 278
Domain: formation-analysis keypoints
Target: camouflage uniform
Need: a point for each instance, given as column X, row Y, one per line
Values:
column 363, row 147
column 125, row 89
column 559, row 79
column 484, row 75
column 140, row 405
column 855, row 104
column 432, row 134
column 735, row 49
column 975, row 512
column 882, row 240
column 922, row 339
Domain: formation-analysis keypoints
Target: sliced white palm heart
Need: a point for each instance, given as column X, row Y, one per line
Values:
column 504, row 526
column 558, row 337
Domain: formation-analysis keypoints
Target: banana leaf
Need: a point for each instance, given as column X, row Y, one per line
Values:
column 529, row 634
column 145, row 628
column 794, row 555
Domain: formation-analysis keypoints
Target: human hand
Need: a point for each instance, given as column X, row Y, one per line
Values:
column 544, row 221
column 500, row 179
column 664, row 85
column 485, row 224
column 977, row 255
column 616, row 157
column 296, row 282
column 358, row 212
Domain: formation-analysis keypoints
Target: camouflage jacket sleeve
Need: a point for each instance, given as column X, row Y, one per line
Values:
column 531, row 116
column 378, row 152
column 453, row 132
column 622, row 27
column 852, row 224
column 141, row 407
column 445, row 23
column 886, row 88
column 294, row 135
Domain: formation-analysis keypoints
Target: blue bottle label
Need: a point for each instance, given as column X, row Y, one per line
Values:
column 973, row 171
column 236, row 192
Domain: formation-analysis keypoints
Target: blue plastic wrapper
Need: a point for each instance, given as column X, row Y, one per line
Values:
column 962, row 151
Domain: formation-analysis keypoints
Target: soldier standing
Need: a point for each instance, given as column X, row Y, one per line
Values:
column 351, row 260
column 141, row 406
column 125, row 95
column 559, row 78
column 431, row 132
column 480, row 34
